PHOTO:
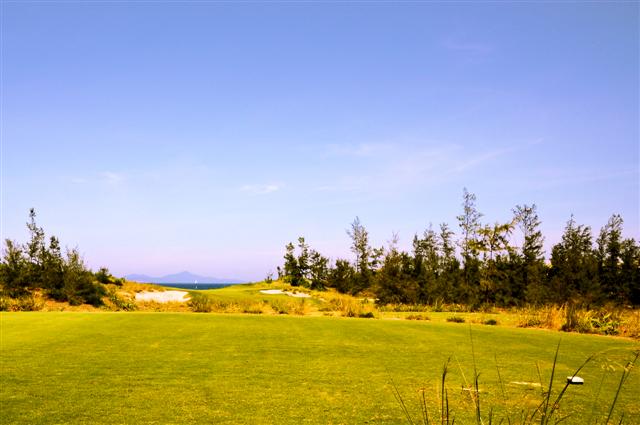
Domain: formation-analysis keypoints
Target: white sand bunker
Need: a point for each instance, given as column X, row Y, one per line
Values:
column 163, row 297
column 279, row 292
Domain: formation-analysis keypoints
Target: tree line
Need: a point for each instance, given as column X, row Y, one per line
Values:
column 38, row 266
column 482, row 265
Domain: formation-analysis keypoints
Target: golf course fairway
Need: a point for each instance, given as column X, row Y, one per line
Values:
column 162, row 368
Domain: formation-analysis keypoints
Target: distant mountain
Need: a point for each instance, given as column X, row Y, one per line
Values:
column 182, row 277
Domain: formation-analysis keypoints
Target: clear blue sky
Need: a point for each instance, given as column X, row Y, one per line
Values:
column 168, row 136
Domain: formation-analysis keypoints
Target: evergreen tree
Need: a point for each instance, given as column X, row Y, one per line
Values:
column 394, row 280
column 426, row 267
column 450, row 277
column 13, row 270
column 469, row 222
column 53, row 270
column 531, row 282
column 35, row 251
column 363, row 252
column 574, row 266
column 342, row 277
column 318, row 270
column 495, row 283
column 303, row 261
column 79, row 286
column 630, row 270
column 292, row 273
column 609, row 247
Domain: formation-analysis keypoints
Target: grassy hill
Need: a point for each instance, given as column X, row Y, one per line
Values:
column 142, row 367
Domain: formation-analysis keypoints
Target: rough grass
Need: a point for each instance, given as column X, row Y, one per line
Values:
column 209, row 368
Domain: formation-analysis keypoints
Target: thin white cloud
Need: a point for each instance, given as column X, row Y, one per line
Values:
column 358, row 150
column 474, row 48
column 112, row 178
column 260, row 189
column 392, row 167
column 481, row 158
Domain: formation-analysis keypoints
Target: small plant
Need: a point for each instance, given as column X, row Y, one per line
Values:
column 490, row 322
column 455, row 319
column 367, row 315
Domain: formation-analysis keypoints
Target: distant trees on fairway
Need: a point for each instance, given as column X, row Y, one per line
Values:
column 483, row 266
column 37, row 265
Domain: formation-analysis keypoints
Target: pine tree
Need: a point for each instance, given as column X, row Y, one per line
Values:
column 630, row 270
column 469, row 222
column 531, row 282
column 450, row 277
column 363, row 252
column 574, row 266
column 13, row 270
column 318, row 270
column 292, row 273
column 609, row 246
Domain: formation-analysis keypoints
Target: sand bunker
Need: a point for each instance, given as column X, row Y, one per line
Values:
column 163, row 297
column 279, row 292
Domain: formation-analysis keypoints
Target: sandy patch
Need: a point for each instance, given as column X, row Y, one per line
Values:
column 280, row 292
column 298, row 294
column 163, row 297
column 528, row 384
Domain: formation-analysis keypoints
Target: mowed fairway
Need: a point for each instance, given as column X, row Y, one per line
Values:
column 207, row 368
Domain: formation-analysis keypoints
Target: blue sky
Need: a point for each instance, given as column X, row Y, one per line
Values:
column 168, row 136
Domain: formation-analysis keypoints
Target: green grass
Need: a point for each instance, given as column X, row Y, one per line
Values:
column 208, row 368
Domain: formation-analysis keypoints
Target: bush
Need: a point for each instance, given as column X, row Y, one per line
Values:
column 630, row 326
column 417, row 317
column 119, row 302
column 27, row 303
column 455, row 319
column 103, row 275
column 367, row 315
column 280, row 307
column 201, row 304
column 300, row 308
column 490, row 322
column 252, row 308
column 605, row 322
column 5, row 304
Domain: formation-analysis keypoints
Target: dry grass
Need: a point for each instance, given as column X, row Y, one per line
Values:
column 347, row 306
column 606, row 320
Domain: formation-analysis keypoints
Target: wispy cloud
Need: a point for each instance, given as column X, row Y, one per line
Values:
column 482, row 158
column 358, row 150
column 112, row 178
column 392, row 167
column 474, row 48
column 260, row 189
